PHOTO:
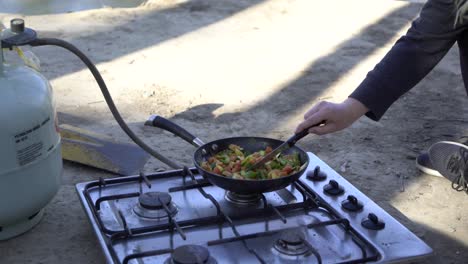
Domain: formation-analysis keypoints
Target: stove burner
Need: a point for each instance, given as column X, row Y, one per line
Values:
column 191, row 254
column 151, row 205
column 292, row 244
column 242, row 200
column 154, row 200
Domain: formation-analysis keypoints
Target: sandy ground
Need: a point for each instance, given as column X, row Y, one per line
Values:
column 238, row 67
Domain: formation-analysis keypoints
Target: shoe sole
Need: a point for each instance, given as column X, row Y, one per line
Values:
column 442, row 152
column 429, row 171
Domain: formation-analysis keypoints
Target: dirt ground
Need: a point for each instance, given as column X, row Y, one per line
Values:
column 238, row 67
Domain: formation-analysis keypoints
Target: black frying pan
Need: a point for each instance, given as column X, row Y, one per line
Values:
column 249, row 144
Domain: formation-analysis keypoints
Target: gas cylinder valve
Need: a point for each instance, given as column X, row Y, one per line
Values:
column 18, row 34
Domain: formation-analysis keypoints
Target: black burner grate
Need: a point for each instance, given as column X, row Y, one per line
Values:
column 310, row 201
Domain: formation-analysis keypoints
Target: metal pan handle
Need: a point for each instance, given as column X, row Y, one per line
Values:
column 163, row 123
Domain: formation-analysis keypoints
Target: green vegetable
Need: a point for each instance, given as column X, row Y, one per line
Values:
column 247, row 159
column 239, row 153
column 237, row 150
column 282, row 161
column 225, row 159
column 262, row 174
column 251, row 175
column 275, row 165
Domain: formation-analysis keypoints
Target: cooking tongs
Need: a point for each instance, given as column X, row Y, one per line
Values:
column 286, row 145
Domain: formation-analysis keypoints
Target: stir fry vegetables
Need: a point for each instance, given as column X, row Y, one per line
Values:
column 235, row 163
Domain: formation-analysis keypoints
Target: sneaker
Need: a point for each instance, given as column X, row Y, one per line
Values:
column 451, row 160
column 424, row 164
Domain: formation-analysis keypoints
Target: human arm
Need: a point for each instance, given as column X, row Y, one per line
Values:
column 412, row 57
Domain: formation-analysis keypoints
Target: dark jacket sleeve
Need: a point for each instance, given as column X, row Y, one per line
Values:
column 412, row 57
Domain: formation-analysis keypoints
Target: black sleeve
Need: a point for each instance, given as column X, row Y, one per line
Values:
column 412, row 57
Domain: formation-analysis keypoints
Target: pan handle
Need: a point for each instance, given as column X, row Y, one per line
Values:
column 163, row 123
column 292, row 140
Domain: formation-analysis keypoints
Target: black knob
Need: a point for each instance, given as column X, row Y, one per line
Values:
column 333, row 188
column 373, row 222
column 352, row 204
column 17, row 25
column 316, row 174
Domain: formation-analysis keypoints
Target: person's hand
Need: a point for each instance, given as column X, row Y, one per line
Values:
column 335, row 116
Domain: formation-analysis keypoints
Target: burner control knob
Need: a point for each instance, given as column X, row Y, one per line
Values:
column 373, row 222
column 333, row 188
column 352, row 204
column 316, row 174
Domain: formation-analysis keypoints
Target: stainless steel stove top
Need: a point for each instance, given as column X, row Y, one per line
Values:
column 171, row 218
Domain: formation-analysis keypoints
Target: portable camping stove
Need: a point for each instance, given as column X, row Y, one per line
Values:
column 179, row 217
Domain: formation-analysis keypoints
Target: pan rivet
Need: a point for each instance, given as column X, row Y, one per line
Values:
column 214, row 147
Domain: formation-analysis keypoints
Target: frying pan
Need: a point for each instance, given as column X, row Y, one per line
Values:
column 249, row 144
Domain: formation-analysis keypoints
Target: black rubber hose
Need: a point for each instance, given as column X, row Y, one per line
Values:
column 105, row 92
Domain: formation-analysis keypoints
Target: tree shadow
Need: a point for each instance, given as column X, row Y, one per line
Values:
column 320, row 75
column 172, row 22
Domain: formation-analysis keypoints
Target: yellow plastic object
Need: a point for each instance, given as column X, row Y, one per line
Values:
column 100, row 151
column 28, row 58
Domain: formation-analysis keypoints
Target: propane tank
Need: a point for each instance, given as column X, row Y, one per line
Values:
column 30, row 154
